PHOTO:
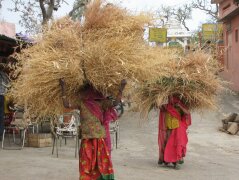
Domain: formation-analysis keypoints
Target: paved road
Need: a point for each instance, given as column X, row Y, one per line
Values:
column 212, row 155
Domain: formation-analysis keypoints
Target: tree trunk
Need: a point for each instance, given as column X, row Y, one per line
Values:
column 184, row 24
column 47, row 13
column 80, row 4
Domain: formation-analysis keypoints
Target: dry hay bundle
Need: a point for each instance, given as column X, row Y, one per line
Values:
column 107, row 48
column 193, row 78
column 112, row 18
column 114, row 48
column 55, row 56
column 108, row 61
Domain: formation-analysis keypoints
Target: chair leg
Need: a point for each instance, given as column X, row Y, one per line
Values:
column 3, row 137
column 76, row 147
column 118, row 131
column 56, row 147
column 9, row 137
column 65, row 141
column 53, row 146
column 23, row 139
column 60, row 138
column 116, row 139
column 14, row 138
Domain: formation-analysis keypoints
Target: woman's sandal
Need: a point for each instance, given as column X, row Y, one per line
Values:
column 181, row 161
column 166, row 163
column 176, row 166
column 160, row 162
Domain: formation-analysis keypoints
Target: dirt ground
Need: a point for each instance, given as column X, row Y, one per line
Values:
column 212, row 155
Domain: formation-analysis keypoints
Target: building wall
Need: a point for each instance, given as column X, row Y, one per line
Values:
column 225, row 7
column 231, row 56
column 7, row 29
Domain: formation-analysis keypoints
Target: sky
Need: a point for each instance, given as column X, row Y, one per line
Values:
column 198, row 17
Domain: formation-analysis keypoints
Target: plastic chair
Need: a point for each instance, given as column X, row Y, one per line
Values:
column 119, row 109
column 114, row 126
column 114, row 130
column 67, row 129
column 17, row 126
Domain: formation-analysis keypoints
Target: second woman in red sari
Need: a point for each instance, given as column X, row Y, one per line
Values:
column 174, row 120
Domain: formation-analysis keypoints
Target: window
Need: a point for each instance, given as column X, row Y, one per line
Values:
column 228, row 26
column 236, row 35
column 226, row 7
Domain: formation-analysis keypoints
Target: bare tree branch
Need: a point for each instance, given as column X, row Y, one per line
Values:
column 1, row 3
column 78, row 8
column 35, row 13
column 181, row 14
column 28, row 11
column 50, row 9
column 164, row 13
column 206, row 6
column 43, row 10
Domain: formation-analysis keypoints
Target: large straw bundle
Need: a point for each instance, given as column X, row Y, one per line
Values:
column 192, row 78
column 108, row 61
column 55, row 56
column 107, row 48
column 113, row 19
column 114, row 48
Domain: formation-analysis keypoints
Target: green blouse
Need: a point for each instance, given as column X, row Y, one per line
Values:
column 90, row 127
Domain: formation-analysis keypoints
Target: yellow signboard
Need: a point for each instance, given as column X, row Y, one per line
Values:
column 158, row 35
column 211, row 31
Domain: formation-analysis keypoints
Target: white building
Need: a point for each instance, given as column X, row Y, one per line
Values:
column 177, row 34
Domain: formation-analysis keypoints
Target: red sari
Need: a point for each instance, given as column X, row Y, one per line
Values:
column 95, row 162
column 174, row 148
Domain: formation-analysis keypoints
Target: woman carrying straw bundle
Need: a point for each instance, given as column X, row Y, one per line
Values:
column 174, row 120
column 95, row 114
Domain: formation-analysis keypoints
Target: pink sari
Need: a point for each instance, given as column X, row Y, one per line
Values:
column 109, row 115
column 175, row 148
column 105, row 117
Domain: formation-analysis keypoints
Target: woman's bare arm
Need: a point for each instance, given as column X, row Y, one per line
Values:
column 183, row 109
column 120, row 93
column 63, row 93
